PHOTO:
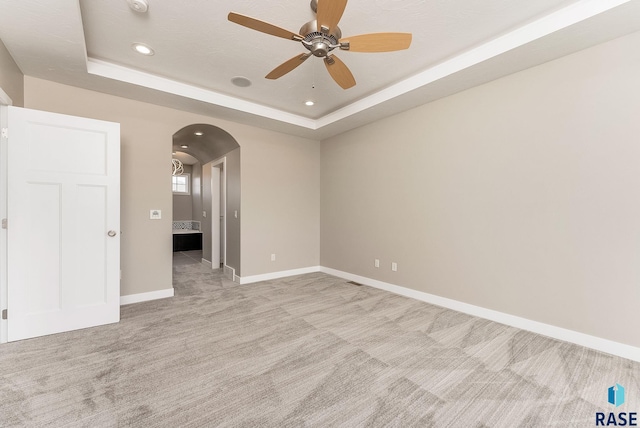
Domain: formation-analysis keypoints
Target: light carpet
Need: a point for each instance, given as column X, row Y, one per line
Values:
column 310, row 350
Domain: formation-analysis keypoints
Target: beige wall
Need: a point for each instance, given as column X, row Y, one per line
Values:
column 11, row 78
column 286, row 219
column 233, row 204
column 146, row 141
column 521, row 195
column 196, row 192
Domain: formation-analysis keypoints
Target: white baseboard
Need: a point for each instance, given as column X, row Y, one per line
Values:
column 593, row 342
column 206, row 262
column 276, row 275
column 230, row 273
column 145, row 297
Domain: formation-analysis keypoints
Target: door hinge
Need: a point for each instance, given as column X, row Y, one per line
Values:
column 5, row 132
column 4, row 223
column 4, row 314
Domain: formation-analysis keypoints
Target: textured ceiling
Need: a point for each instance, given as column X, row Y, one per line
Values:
column 456, row 44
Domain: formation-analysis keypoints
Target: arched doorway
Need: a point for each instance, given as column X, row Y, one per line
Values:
column 212, row 166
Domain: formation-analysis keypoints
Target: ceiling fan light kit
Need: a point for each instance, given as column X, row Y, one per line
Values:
column 321, row 36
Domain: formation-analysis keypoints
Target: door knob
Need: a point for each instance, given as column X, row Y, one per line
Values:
column 112, row 233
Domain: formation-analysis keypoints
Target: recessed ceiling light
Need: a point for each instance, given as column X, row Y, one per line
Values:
column 198, row 133
column 142, row 49
column 309, row 103
column 184, row 146
column 241, row 81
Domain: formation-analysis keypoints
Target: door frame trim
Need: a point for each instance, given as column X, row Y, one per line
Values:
column 5, row 101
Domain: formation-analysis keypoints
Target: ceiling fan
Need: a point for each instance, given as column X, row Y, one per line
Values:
column 322, row 36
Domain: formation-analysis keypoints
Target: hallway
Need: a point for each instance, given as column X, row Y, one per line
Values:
column 184, row 258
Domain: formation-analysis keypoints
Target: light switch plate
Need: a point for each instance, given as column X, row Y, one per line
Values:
column 155, row 214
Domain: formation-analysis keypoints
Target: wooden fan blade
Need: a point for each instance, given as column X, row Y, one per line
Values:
column 339, row 71
column 378, row 42
column 264, row 27
column 329, row 13
column 287, row 66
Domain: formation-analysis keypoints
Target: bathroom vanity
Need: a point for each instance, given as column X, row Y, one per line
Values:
column 187, row 236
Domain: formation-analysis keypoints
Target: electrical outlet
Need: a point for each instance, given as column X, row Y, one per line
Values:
column 155, row 214
column 273, row 257
column 394, row 266
column 204, row 214
column 376, row 263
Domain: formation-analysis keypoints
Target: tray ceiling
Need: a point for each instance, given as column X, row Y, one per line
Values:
column 456, row 44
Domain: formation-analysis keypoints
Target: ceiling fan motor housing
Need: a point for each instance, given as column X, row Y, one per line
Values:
column 318, row 43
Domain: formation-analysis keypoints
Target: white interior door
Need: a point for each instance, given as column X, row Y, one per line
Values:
column 63, row 210
column 215, row 217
